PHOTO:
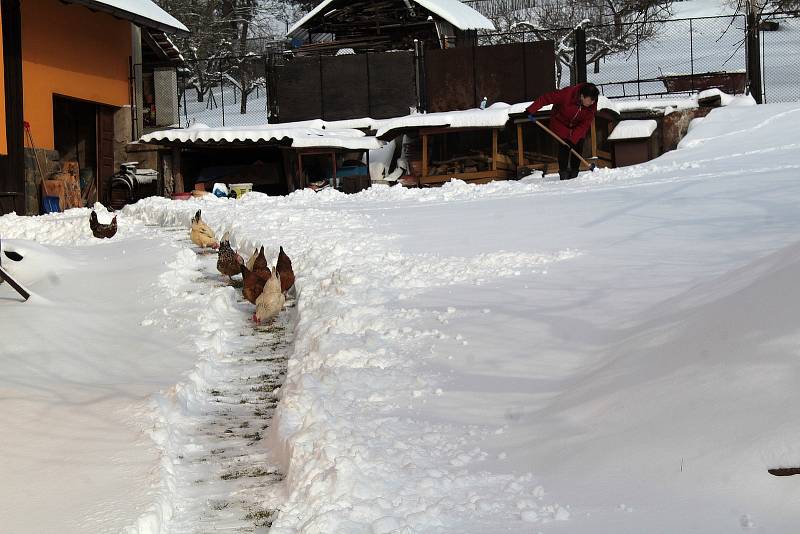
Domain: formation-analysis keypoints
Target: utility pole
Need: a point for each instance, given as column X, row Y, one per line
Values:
column 753, row 52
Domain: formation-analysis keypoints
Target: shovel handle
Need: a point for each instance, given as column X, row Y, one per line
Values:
column 557, row 138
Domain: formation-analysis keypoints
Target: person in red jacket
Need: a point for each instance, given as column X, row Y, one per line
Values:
column 573, row 112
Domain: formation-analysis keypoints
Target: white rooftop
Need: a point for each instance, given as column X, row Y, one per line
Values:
column 298, row 136
column 140, row 12
column 456, row 13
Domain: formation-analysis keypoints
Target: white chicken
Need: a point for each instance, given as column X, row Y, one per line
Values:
column 270, row 302
column 201, row 234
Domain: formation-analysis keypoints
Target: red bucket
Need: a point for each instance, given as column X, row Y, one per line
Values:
column 181, row 196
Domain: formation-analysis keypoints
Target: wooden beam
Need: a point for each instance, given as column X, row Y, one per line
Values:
column 594, row 139
column 520, row 150
column 424, row 155
column 177, row 171
column 494, row 149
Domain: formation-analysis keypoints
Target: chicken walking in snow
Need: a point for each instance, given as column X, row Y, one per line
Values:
column 260, row 264
column 284, row 269
column 228, row 261
column 201, row 234
column 102, row 231
column 270, row 302
column 252, row 283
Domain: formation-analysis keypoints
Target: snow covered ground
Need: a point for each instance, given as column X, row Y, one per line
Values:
column 617, row 353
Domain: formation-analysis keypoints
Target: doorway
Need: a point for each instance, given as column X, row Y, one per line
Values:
column 84, row 133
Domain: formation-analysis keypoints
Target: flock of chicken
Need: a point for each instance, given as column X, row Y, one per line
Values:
column 262, row 286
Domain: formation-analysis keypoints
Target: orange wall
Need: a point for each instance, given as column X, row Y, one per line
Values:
column 3, row 145
column 71, row 51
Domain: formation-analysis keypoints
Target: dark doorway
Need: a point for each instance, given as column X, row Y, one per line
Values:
column 75, row 135
column 84, row 132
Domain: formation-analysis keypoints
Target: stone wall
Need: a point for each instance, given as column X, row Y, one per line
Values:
column 49, row 162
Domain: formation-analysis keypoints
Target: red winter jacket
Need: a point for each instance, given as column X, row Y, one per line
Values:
column 569, row 120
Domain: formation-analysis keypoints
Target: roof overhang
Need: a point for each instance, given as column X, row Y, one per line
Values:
column 143, row 13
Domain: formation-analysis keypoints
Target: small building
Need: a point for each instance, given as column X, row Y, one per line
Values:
column 67, row 68
column 276, row 158
column 633, row 142
column 355, row 26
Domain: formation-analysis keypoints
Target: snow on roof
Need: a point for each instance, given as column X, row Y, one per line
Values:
column 459, row 15
column 298, row 136
column 140, row 12
column 633, row 129
column 494, row 116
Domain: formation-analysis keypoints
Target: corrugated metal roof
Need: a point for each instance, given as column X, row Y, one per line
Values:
column 298, row 137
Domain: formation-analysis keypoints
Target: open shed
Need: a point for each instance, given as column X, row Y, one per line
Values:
column 276, row 159
column 481, row 145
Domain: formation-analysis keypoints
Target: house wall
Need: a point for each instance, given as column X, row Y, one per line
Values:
column 71, row 51
column 3, row 143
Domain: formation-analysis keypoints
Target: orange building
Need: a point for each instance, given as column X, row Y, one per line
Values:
column 67, row 68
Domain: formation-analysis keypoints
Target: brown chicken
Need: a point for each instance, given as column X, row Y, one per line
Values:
column 228, row 261
column 102, row 231
column 284, row 268
column 253, row 283
column 261, row 265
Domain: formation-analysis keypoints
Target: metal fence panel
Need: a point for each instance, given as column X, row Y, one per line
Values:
column 450, row 79
column 392, row 84
column 345, row 93
column 300, row 89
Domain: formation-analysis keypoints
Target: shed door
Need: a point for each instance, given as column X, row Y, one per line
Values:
column 105, row 150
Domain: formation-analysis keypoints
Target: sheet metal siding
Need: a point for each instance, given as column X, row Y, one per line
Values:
column 299, row 90
column 450, row 79
column 459, row 78
column 345, row 87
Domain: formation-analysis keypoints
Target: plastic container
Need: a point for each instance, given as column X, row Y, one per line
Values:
column 51, row 204
column 181, row 196
column 241, row 189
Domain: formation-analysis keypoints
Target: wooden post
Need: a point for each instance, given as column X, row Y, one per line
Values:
column 494, row 149
column 594, row 139
column 300, row 170
column 333, row 165
column 177, row 171
column 520, row 152
column 424, row 155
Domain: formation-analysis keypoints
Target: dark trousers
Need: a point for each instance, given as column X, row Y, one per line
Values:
column 568, row 163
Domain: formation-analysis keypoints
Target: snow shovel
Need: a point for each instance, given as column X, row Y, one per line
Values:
column 591, row 166
column 7, row 277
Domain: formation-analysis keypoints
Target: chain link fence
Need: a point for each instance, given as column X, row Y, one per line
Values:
column 675, row 57
column 780, row 48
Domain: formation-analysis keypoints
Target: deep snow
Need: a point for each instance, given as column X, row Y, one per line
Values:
column 616, row 353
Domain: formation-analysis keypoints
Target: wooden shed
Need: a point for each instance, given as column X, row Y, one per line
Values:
column 277, row 159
